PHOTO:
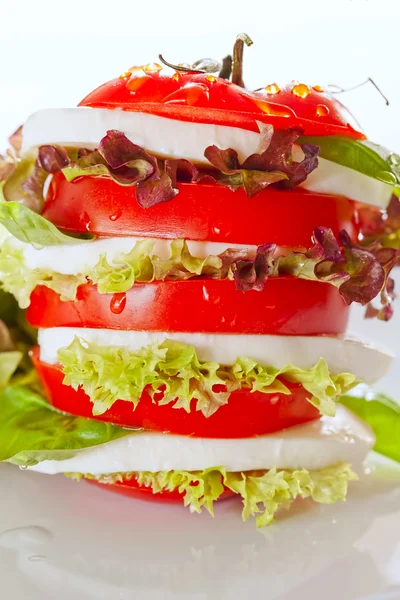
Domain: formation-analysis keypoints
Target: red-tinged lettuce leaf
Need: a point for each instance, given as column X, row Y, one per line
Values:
column 127, row 162
column 53, row 158
column 7, row 166
column 15, row 140
column 361, row 274
column 272, row 163
column 253, row 181
column 252, row 274
column 155, row 190
column 182, row 170
column 277, row 155
column 383, row 226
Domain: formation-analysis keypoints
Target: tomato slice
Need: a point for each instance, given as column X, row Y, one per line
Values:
column 199, row 212
column 133, row 489
column 286, row 306
column 201, row 98
column 246, row 414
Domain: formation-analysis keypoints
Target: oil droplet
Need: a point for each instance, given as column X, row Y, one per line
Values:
column 301, row 90
column 318, row 88
column 136, row 82
column 273, row 88
column 176, row 76
column 116, row 215
column 25, row 537
column 37, row 558
column 118, row 303
column 125, row 75
column 211, row 78
column 152, row 68
column 322, row 110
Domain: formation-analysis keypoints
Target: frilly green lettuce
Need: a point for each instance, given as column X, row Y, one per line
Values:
column 263, row 492
column 110, row 373
column 20, row 281
column 138, row 265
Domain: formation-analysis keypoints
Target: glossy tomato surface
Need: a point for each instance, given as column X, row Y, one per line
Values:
column 199, row 212
column 246, row 413
column 205, row 98
column 132, row 489
column 286, row 306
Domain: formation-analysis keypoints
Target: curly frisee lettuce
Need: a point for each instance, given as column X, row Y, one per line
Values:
column 263, row 492
column 172, row 372
column 359, row 273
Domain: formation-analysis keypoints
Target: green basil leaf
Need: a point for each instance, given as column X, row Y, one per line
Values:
column 383, row 416
column 361, row 155
column 32, row 431
column 27, row 226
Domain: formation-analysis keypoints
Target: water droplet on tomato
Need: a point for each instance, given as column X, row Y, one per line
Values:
column 136, row 82
column 118, row 303
column 216, row 230
column 152, row 68
column 116, row 215
column 273, row 88
column 318, row 88
column 86, row 221
column 301, row 90
column 322, row 110
column 206, row 295
column 125, row 75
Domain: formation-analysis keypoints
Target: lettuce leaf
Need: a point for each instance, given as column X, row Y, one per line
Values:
column 383, row 416
column 27, row 226
column 9, row 362
column 172, row 372
column 20, row 281
column 32, row 431
column 272, row 163
column 263, row 492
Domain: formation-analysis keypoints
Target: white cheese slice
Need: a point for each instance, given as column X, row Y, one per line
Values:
column 73, row 259
column 83, row 126
column 365, row 361
column 315, row 445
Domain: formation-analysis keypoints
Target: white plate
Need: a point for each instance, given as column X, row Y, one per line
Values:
column 60, row 540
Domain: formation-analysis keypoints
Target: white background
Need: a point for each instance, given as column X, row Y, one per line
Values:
column 53, row 53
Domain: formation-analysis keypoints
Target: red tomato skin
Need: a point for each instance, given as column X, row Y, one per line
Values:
column 246, row 414
column 286, row 306
column 199, row 212
column 199, row 98
column 132, row 489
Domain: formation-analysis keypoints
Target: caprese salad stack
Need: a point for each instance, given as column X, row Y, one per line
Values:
column 188, row 251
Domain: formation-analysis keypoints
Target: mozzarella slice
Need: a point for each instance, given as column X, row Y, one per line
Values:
column 312, row 446
column 85, row 126
column 365, row 361
column 73, row 259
